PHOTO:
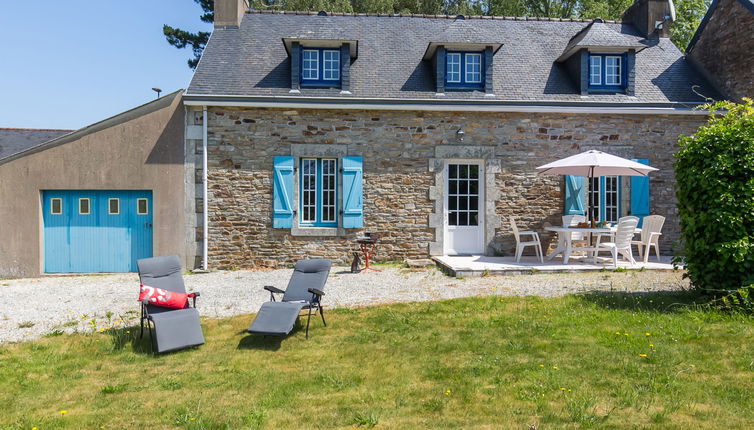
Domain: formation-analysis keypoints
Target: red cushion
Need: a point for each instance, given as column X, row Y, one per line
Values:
column 164, row 298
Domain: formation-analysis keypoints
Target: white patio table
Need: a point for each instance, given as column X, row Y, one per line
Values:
column 564, row 241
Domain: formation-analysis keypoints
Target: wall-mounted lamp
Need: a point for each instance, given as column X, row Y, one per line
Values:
column 459, row 134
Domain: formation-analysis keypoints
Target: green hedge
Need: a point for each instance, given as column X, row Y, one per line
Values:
column 714, row 171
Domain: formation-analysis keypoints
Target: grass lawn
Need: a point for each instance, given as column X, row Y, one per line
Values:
column 606, row 361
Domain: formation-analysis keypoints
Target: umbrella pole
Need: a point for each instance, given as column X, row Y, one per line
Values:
column 591, row 195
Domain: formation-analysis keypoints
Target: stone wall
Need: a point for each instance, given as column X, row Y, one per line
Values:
column 725, row 49
column 398, row 149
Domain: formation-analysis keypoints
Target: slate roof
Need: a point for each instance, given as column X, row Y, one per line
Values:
column 250, row 61
column 748, row 4
column 599, row 34
column 15, row 140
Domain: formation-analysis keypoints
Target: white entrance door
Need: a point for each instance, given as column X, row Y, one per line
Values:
column 464, row 211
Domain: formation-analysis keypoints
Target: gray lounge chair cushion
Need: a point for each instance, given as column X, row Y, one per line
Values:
column 162, row 272
column 307, row 274
column 276, row 318
column 177, row 329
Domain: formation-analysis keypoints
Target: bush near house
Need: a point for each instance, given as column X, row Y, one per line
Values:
column 714, row 171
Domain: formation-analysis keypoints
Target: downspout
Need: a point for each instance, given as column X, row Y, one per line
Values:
column 205, row 218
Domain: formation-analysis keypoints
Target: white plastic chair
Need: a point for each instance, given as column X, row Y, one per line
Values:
column 651, row 229
column 521, row 245
column 621, row 240
column 576, row 237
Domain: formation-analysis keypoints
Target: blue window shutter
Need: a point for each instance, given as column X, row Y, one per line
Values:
column 574, row 195
column 282, row 192
column 640, row 193
column 353, row 210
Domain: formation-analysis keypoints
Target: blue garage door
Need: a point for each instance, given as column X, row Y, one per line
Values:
column 96, row 231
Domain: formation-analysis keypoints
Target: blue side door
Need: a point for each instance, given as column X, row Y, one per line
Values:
column 96, row 231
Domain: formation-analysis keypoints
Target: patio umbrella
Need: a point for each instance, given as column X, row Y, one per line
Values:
column 593, row 164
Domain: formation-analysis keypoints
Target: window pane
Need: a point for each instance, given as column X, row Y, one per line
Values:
column 331, row 66
column 612, row 70
column 595, row 70
column 310, row 65
column 453, row 186
column 453, row 171
column 463, row 203
column 473, row 68
column 452, row 203
column 453, row 67
column 474, row 171
column 463, row 218
column 474, row 187
column 56, row 206
column 83, row 206
column 474, row 218
column 474, row 203
column 453, row 218
column 463, row 187
column 463, row 171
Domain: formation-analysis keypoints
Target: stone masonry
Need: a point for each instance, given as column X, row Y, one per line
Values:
column 397, row 148
column 725, row 49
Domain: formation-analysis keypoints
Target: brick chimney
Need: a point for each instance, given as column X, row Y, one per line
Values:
column 651, row 17
column 228, row 13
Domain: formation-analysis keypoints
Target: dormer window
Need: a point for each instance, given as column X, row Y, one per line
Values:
column 606, row 72
column 464, row 70
column 320, row 67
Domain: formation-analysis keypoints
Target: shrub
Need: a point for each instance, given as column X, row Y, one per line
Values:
column 714, row 171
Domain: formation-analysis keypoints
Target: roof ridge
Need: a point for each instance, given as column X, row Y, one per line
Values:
column 422, row 15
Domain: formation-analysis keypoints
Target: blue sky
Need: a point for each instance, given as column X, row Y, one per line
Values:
column 67, row 64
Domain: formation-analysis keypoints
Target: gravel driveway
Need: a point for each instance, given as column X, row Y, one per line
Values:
column 30, row 308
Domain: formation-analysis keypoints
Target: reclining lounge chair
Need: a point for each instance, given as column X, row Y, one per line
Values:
column 305, row 291
column 174, row 329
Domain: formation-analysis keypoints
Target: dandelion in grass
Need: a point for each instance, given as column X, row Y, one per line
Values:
column 562, row 388
column 647, row 334
column 448, row 392
column 541, row 365
column 555, row 367
column 62, row 412
column 192, row 419
column 626, row 334
column 642, row 355
column 651, row 345
column 618, row 333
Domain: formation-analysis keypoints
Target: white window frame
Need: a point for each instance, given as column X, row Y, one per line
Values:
column 88, row 206
column 335, row 60
column 304, row 63
column 146, row 205
column 333, row 190
column 593, row 198
column 448, row 63
column 616, row 69
column 468, row 72
column 592, row 66
column 304, row 190
column 52, row 206
column 109, row 206
column 612, row 186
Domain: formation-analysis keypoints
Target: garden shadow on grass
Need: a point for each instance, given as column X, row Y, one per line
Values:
column 255, row 341
column 120, row 337
column 660, row 301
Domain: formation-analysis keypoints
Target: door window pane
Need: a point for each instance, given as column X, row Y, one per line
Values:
column 83, row 206
column 329, row 171
column 56, row 206
column 142, row 207
column 113, row 206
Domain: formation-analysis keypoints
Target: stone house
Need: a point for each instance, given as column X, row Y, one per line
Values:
column 320, row 127
column 428, row 129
